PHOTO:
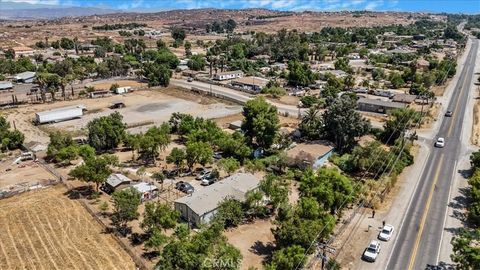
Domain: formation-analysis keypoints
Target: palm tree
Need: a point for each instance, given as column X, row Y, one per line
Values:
column 75, row 44
column 41, row 80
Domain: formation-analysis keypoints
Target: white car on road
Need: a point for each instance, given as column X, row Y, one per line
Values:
column 371, row 252
column 440, row 142
column 386, row 232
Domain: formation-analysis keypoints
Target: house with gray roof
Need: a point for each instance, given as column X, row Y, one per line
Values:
column 116, row 181
column 201, row 206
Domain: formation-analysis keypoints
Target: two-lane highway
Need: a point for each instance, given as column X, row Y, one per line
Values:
column 417, row 244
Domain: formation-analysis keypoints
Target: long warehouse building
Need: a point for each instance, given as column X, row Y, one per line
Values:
column 60, row 114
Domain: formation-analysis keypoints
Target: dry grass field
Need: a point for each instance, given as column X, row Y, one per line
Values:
column 46, row 230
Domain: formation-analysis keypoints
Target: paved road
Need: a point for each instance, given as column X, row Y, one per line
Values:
column 236, row 95
column 417, row 243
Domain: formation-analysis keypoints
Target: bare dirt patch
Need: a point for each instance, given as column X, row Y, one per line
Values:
column 105, row 85
column 255, row 241
column 25, row 173
column 46, row 230
column 476, row 124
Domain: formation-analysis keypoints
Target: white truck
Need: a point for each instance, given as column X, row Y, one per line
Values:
column 60, row 114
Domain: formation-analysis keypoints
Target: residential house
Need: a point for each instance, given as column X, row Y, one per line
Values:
column 228, row 75
column 251, row 83
column 404, row 98
column 23, row 51
column 377, row 105
column 313, row 154
column 201, row 206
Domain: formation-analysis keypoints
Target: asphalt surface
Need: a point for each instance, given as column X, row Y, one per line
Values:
column 232, row 94
column 420, row 236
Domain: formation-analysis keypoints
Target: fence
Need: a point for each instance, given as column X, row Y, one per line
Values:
column 21, row 188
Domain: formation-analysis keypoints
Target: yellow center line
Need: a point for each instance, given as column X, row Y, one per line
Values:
column 425, row 214
column 452, row 123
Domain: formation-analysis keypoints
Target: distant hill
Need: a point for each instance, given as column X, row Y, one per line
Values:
column 26, row 11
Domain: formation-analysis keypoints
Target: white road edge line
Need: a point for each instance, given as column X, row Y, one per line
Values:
column 408, row 207
column 446, row 211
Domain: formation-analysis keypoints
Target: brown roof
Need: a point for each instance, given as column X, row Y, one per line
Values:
column 316, row 149
column 404, row 98
column 22, row 49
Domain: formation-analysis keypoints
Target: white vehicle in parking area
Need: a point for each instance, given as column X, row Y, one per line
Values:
column 371, row 252
column 386, row 232
column 440, row 142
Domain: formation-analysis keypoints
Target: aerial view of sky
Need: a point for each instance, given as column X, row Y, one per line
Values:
column 451, row 6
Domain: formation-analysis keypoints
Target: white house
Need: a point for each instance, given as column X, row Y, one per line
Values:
column 228, row 75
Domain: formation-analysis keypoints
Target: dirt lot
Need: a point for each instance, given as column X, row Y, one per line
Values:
column 255, row 241
column 105, row 85
column 25, row 173
column 143, row 108
column 476, row 124
column 46, row 230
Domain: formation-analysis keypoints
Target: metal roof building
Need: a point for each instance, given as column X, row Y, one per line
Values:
column 26, row 77
column 201, row 206
column 4, row 85
column 377, row 105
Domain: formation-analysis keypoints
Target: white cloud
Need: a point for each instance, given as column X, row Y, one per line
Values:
column 373, row 5
column 132, row 4
column 35, row 2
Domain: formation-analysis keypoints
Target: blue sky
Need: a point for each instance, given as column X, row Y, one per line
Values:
column 451, row 6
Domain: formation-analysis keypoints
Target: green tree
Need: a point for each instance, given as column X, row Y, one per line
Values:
column 177, row 156
column 95, row 169
column 261, row 122
column 342, row 64
column 311, row 124
column 274, row 91
column 178, row 34
column 106, row 132
column 156, row 240
column 155, row 140
column 343, row 124
column 466, row 252
column 229, row 165
column 276, row 189
column 196, row 62
column 230, row 213
column 125, row 207
column 288, row 258
column 331, row 189
column 157, row 74
column 300, row 74
column 67, row 154
column 198, row 152
column 159, row 177
column 188, row 48
column 398, row 122
column 159, row 216
column 9, row 140
column 396, row 80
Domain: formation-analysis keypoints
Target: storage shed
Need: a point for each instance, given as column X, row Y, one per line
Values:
column 148, row 191
column 201, row 206
column 116, row 181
